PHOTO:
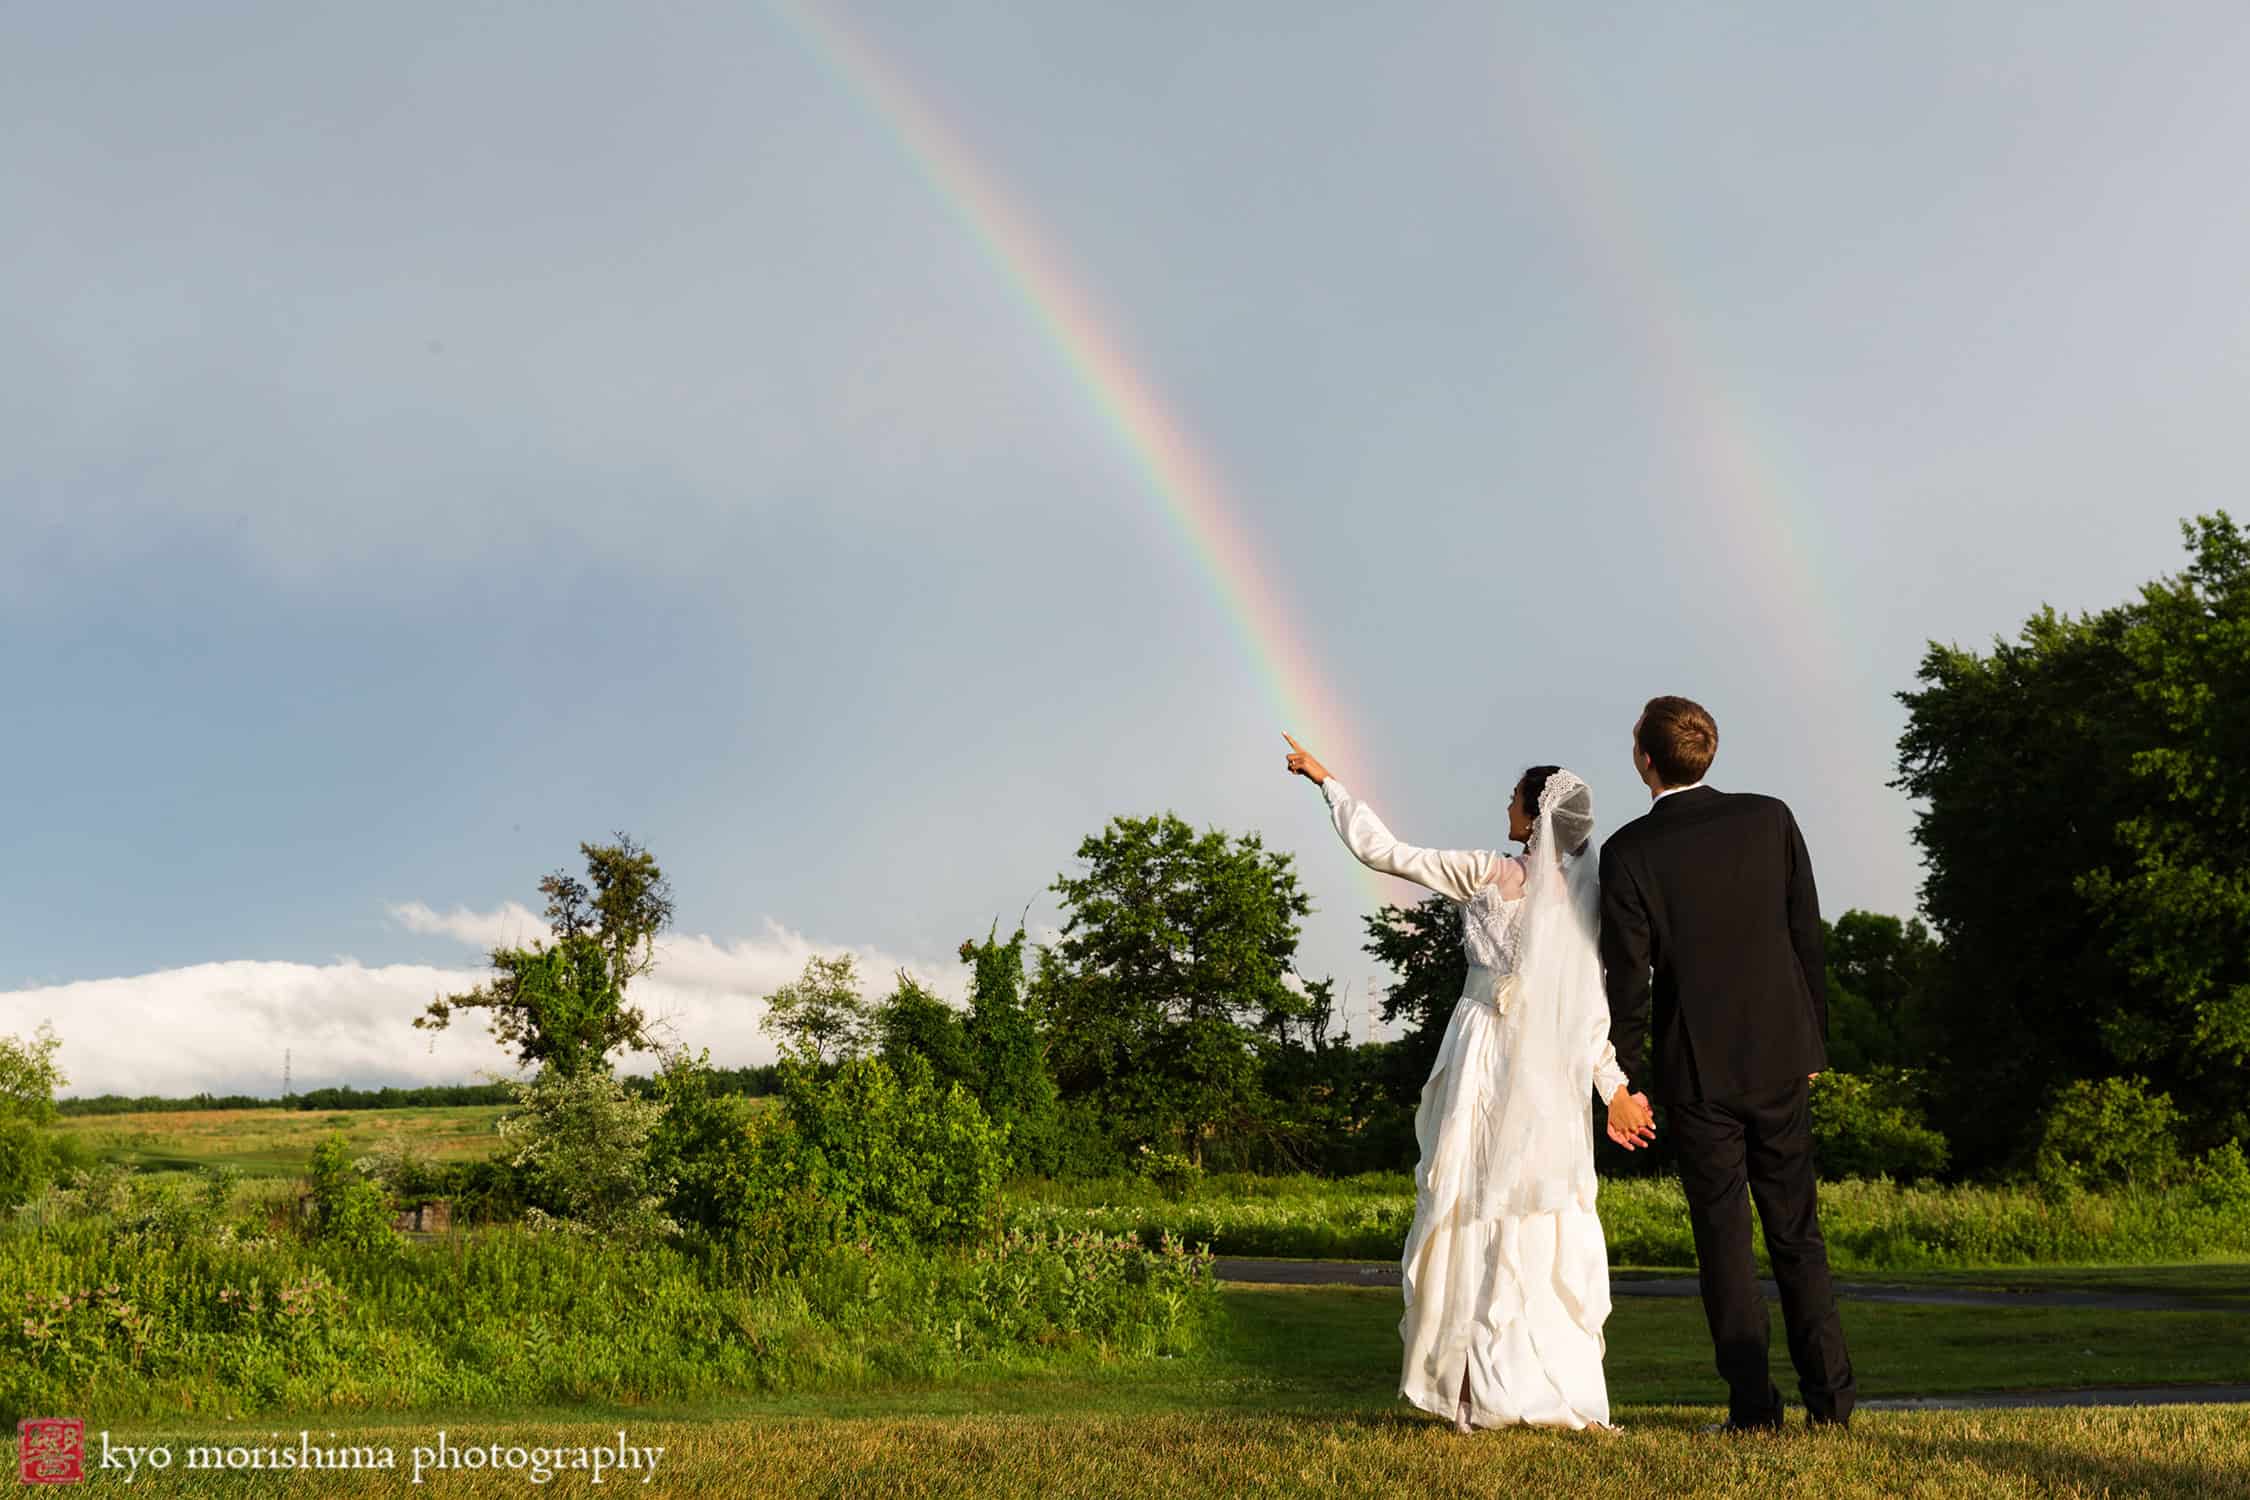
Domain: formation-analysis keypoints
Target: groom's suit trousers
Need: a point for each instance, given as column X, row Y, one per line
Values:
column 1762, row 1142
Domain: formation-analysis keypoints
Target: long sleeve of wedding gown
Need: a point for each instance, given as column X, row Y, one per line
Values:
column 1456, row 873
column 1608, row 1076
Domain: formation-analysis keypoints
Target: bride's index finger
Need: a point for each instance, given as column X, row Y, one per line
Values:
column 1292, row 739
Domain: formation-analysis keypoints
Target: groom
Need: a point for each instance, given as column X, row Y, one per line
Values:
column 1708, row 909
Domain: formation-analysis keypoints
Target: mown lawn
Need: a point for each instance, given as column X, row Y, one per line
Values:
column 2170, row 1452
column 1297, row 1399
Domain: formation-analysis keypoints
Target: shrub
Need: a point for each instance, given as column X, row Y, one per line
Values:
column 582, row 1142
column 348, row 1210
column 2108, row 1132
column 486, row 1190
column 26, row 1161
column 700, row 1147
column 901, row 1160
column 1173, row 1174
column 1870, row 1125
column 2221, row 1180
column 407, row 1177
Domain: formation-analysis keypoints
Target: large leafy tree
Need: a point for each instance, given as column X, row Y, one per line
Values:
column 2175, row 910
column 1175, row 958
column 561, row 1003
column 2084, row 829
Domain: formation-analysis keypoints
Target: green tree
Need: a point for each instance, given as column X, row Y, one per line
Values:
column 1176, row 949
column 2175, row 909
column 561, row 1003
column 2084, row 830
column 1422, row 946
column 29, row 1075
column 912, row 1022
column 820, row 1017
column 1879, row 975
column 1007, row 1053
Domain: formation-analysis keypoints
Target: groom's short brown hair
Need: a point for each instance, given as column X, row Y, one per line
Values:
column 1680, row 739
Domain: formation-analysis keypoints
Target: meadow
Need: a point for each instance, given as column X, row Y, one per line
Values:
column 275, row 1142
column 1082, row 1349
column 1870, row 1226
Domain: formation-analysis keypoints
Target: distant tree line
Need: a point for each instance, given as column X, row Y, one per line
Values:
column 753, row 1082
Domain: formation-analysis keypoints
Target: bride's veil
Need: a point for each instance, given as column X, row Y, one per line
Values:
column 1541, row 1157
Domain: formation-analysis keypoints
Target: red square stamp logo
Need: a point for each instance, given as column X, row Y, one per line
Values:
column 51, row 1450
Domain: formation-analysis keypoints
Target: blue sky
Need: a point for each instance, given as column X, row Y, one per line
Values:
column 429, row 439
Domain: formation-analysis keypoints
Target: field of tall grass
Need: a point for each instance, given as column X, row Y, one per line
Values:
column 274, row 1143
column 175, row 1300
column 1870, row 1226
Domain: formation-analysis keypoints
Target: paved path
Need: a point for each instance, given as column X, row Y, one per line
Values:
column 1385, row 1274
column 2122, row 1395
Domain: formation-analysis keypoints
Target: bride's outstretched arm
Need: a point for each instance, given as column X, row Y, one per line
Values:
column 1457, row 873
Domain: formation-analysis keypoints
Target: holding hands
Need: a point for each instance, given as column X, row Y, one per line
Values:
column 1632, row 1124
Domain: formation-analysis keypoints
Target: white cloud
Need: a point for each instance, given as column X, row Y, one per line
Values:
column 510, row 926
column 223, row 1027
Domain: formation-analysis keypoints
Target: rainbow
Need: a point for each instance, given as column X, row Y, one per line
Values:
column 1766, row 523
column 1174, row 473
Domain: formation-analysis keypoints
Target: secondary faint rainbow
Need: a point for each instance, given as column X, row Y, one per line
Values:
column 1185, row 484
column 1770, row 526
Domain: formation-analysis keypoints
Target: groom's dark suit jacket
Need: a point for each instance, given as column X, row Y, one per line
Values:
column 1709, row 914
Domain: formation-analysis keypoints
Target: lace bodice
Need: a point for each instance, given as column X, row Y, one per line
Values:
column 1491, row 928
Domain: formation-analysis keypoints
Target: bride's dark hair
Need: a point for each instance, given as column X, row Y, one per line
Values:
column 1534, row 785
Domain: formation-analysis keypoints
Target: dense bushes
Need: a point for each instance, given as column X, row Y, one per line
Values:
column 862, row 1151
column 901, row 1159
column 1871, row 1125
column 348, row 1210
column 2109, row 1132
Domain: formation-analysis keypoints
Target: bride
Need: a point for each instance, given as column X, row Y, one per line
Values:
column 1505, row 1272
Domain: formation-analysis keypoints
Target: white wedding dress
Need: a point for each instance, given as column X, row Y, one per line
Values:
column 1505, row 1273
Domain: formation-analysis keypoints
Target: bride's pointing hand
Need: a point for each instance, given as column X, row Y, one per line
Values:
column 1301, row 762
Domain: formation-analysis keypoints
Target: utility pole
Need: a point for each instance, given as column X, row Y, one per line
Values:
column 285, row 1061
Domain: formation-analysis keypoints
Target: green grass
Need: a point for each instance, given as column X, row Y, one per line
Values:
column 2215, row 1283
column 1870, row 1227
column 2175, row 1452
column 277, row 1143
column 1297, row 1398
